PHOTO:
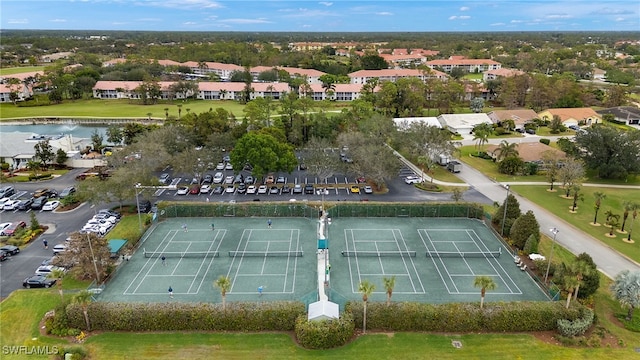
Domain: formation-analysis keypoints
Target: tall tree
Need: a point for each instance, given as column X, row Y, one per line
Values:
column 570, row 283
column 611, row 152
column 634, row 214
column 552, row 166
column 577, row 195
column 599, row 196
column 320, row 162
column 580, row 269
column 44, row 153
column 114, row 134
column 389, row 284
column 570, row 174
column 273, row 155
column 96, row 140
column 626, row 289
column 58, row 274
column 481, row 135
column 628, row 207
column 83, row 298
column 507, row 149
column 613, row 220
column 366, row 289
column 484, row 283
column 224, row 284
column 523, row 227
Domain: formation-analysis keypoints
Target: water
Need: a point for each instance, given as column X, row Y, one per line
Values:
column 76, row 130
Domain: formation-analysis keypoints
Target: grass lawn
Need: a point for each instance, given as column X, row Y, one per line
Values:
column 20, row 70
column 585, row 212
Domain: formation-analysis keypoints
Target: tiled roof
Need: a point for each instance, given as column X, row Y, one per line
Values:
column 396, row 73
column 505, row 72
column 574, row 113
column 339, row 88
column 519, row 116
column 442, row 62
column 530, row 151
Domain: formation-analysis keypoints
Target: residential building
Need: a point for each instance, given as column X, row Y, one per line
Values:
column 312, row 76
column 21, row 90
column 572, row 116
column 630, row 115
column 520, row 117
column 463, row 124
column 468, row 65
column 404, row 123
column 234, row 90
column 362, row 76
column 500, row 73
column 340, row 92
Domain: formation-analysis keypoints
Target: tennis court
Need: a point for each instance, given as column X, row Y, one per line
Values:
column 280, row 259
column 433, row 260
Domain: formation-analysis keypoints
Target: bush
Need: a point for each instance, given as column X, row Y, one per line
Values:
column 324, row 334
column 39, row 177
column 78, row 353
column 545, row 141
column 273, row 316
column 462, row 317
column 577, row 327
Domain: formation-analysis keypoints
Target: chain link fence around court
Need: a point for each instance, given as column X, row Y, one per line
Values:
column 249, row 209
column 416, row 210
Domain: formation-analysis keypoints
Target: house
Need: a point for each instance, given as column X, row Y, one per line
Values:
column 520, row 117
column 340, row 92
column 404, row 59
column 630, row 115
column 463, row 124
column 404, row 123
column 127, row 90
column 208, row 90
column 21, row 91
column 500, row 73
column 529, row 151
column 468, row 65
column 362, row 76
column 18, row 148
column 572, row 116
column 311, row 75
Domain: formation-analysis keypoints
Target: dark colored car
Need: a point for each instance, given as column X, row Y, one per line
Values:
column 285, row 189
column 38, row 203
column 67, row 191
column 308, row 189
column 208, row 179
column 35, row 281
column 12, row 250
column 242, row 188
column 218, row 190
column 25, row 204
column 144, row 205
column 3, row 256
column 274, row 190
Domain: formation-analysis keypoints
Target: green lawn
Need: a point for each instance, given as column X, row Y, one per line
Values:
column 553, row 202
column 20, row 70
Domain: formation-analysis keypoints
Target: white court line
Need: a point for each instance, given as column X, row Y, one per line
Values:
column 434, row 262
column 413, row 264
column 239, row 261
column 463, row 259
column 204, row 261
column 147, row 263
column 519, row 291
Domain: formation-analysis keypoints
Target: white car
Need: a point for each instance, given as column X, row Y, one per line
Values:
column 412, row 180
column 11, row 205
column 368, row 189
column 205, row 189
column 220, row 166
column 228, row 166
column 60, row 248
column 230, row 189
column 262, row 189
column 111, row 219
column 218, row 178
column 48, row 269
column 50, row 205
column 4, row 226
column 228, row 179
column 251, row 189
column 182, row 190
column 102, row 223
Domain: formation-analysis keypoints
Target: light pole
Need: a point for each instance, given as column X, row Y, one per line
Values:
column 93, row 257
column 138, row 207
column 555, row 232
column 504, row 216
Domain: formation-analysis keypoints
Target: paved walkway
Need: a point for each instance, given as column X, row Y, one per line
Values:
column 608, row 260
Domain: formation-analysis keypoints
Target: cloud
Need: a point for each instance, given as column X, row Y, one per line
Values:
column 461, row 17
column 558, row 16
column 325, row 3
column 245, row 21
column 465, row 8
column 190, row 23
column 620, row 19
column 183, row 4
column 384, row 13
column 149, row 19
column 306, row 13
column 611, row 11
column 497, row 24
column 515, row 21
column 17, row 21
column 58, row 20
column 306, row 26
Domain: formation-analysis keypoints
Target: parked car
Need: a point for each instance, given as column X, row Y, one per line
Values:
column 67, row 191
column 218, row 190
column 229, row 179
column 4, row 226
column 50, row 205
column 297, row 189
column 35, row 281
column 368, row 189
column 144, row 205
column 208, row 179
column 251, row 189
column 285, row 189
column 183, row 190
column 11, row 229
column 230, row 189
column 262, row 189
column 220, row 166
column 10, row 249
column 205, row 189
column 218, row 178
column 412, row 180
column 165, row 178
column 228, row 166
column 269, row 180
column 249, row 180
column 104, row 216
column 42, row 193
column 7, row 191
column 308, row 189
column 280, row 180
column 354, row 189
column 48, row 269
column 274, row 190
column 39, row 202
column 242, row 188
column 194, row 190
column 25, row 204
column 3, row 256
column 531, row 131
column 110, row 213
column 11, row 205
column 239, row 179
column 60, row 248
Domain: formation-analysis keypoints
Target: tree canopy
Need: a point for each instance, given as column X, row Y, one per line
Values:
column 264, row 153
column 611, row 152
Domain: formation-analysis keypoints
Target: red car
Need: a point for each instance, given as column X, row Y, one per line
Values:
column 194, row 190
column 11, row 229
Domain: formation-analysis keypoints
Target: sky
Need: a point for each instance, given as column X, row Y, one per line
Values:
column 322, row 16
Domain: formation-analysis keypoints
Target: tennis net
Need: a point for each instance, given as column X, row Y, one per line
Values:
column 460, row 254
column 379, row 253
column 179, row 254
column 265, row 253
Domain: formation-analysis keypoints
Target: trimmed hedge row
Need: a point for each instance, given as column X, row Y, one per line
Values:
column 268, row 316
column 578, row 326
column 463, row 317
column 324, row 334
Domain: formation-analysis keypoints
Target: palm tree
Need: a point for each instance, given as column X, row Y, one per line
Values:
column 365, row 288
column 580, row 269
column 224, row 284
column 484, row 283
column 389, row 284
column 57, row 274
column 599, row 195
column 506, row 150
column 481, row 134
column 84, row 298
column 626, row 289
column 628, row 207
column 571, row 283
column 634, row 214
column 612, row 220
column 577, row 195
column 166, row 113
column 179, row 110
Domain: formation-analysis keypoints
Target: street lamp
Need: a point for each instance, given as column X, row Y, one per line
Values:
column 138, row 207
column 555, row 232
column 504, row 216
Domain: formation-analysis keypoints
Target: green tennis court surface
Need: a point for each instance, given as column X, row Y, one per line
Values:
column 434, row 260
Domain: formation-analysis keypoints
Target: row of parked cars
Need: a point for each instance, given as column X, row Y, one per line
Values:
column 42, row 199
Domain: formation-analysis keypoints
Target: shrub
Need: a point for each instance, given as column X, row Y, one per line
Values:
column 545, row 141
column 78, row 353
column 531, row 245
column 324, row 334
column 576, row 327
